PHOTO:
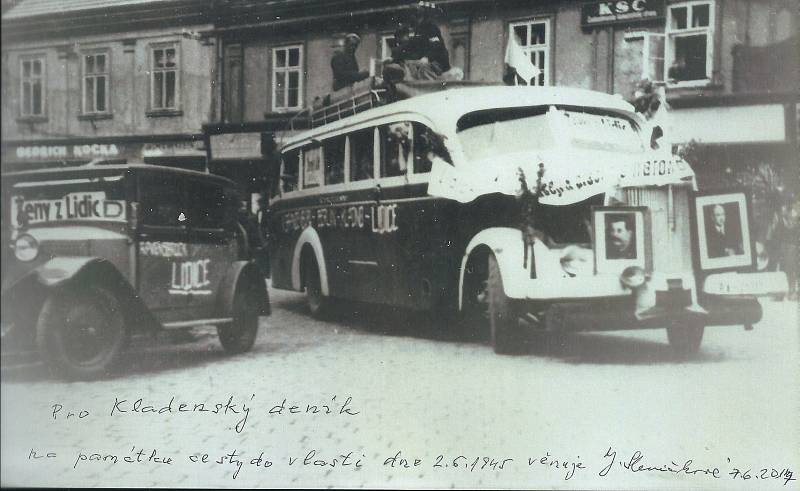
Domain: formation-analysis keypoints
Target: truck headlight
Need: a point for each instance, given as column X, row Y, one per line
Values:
column 26, row 248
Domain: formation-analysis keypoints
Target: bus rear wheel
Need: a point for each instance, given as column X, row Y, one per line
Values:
column 316, row 301
column 505, row 333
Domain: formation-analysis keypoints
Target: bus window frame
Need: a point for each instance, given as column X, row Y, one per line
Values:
column 281, row 191
column 401, row 179
column 410, row 177
column 355, row 185
column 346, row 161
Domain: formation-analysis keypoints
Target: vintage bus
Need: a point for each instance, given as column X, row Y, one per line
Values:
column 519, row 208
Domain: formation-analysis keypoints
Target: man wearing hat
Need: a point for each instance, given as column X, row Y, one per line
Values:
column 344, row 64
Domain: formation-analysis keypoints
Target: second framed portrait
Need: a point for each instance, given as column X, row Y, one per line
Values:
column 722, row 231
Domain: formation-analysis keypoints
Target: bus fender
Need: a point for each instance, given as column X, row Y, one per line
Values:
column 507, row 247
column 311, row 237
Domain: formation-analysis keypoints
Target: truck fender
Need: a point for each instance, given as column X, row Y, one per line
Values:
column 507, row 247
column 311, row 237
column 241, row 273
column 66, row 272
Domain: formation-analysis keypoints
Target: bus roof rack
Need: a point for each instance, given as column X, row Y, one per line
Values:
column 354, row 104
column 368, row 94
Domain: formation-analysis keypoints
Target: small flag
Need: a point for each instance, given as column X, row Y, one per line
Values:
column 519, row 61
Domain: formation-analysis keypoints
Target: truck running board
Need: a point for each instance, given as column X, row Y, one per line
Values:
column 198, row 322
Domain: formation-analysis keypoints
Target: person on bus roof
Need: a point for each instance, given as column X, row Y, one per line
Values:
column 428, row 42
column 345, row 65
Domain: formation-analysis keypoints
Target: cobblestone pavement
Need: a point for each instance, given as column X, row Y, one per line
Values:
column 414, row 388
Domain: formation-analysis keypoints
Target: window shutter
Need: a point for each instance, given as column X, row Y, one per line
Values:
column 653, row 56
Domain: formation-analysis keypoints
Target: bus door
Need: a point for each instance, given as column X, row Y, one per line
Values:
column 351, row 256
column 392, row 207
column 416, row 238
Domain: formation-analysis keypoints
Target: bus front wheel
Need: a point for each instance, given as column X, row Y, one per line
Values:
column 685, row 336
column 475, row 290
column 503, row 314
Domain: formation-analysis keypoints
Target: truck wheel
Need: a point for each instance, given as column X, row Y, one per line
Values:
column 503, row 318
column 685, row 335
column 240, row 335
column 80, row 333
column 317, row 302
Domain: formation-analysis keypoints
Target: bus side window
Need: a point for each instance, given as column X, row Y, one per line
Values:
column 333, row 150
column 423, row 148
column 362, row 147
column 291, row 171
column 396, row 148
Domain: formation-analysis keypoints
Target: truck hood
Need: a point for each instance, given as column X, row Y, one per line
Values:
column 569, row 176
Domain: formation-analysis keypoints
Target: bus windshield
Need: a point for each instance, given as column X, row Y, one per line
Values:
column 484, row 134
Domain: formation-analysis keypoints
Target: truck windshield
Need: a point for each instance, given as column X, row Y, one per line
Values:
column 484, row 134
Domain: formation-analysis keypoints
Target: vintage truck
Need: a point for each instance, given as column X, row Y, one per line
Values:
column 93, row 254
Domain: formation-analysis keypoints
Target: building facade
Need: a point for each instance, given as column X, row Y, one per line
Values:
column 85, row 80
column 213, row 83
column 729, row 68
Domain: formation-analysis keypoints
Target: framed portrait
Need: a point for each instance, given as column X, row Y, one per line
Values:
column 721, row 228
column 621, row 238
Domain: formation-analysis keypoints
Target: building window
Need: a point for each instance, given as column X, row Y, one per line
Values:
column 690, row 41
column 95, row 83
column 287, row 78
column 32, row 87
column 387, row 42
column 533, row 37
column 164, row 78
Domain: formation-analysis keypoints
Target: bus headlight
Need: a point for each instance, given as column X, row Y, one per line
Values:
column 26, row 248
column 632, row 277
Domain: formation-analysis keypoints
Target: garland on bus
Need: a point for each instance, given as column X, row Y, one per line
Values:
column 529, row 202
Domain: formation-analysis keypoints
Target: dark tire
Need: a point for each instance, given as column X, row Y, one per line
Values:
column 474, row 316
column 685, row 336
column 240, row 335
column 505, row 332
column 318, row 304
column 80, row 333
